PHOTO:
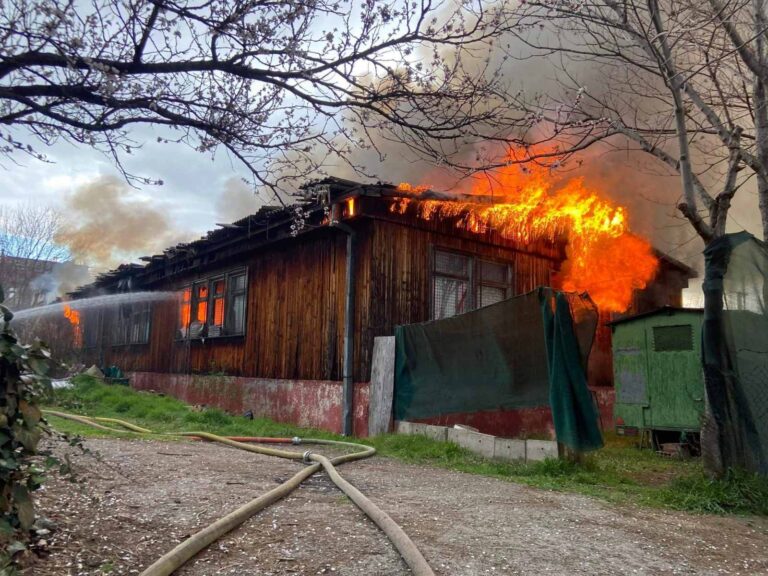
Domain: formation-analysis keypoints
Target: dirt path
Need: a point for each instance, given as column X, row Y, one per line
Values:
column 146, row 496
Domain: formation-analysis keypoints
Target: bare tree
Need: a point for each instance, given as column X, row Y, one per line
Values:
column 682, row 81
column 686, row 83
column 28, row 251
column 284, row 86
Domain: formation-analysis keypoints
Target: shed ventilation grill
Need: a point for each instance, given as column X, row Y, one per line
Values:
column 672, row 338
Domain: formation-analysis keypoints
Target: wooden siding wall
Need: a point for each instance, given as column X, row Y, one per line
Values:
column 294, row 326
column 295, row 314
column 395, row 280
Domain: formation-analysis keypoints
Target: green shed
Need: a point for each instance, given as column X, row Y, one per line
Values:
column 658, row 374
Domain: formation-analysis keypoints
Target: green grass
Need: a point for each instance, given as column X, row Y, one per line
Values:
column 618, row 473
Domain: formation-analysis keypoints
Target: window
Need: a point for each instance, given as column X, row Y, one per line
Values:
column 214, row 307
column 92, row 319
column 461, row 283
column 132, row 324
column 236, row 316
column 672, row 338
column 451, row 284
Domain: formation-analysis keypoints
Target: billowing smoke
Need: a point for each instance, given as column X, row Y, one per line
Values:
column 108, row 222
column 236, row 201
column 64, row 277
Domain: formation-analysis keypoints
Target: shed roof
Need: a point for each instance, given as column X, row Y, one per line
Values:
column 665, row 310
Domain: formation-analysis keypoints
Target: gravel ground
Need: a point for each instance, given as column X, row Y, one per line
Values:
column 138, row 499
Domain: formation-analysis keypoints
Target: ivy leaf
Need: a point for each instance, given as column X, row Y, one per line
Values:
column 25, row 510
column 38, row 365
column 5, row 527
column 6, row 313
column 16, row 546
column 27, row 438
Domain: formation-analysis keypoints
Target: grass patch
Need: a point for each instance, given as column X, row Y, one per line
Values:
column 618, row 473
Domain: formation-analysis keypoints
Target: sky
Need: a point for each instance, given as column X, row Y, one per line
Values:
column 198, row 191
column 192, row 182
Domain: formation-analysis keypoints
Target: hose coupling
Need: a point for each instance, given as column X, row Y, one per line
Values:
column 295, row 440
column 306, row 457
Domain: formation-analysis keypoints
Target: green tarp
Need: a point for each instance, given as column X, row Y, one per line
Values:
column 520, row 353
column 482, row 360
column 573, row 410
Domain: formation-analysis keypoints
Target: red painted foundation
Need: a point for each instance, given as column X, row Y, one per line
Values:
column 318, row 404
column 605, row 396
column 525, row 422
column 306, row 403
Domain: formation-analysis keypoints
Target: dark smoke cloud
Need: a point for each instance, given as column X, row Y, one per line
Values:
column 108, row 223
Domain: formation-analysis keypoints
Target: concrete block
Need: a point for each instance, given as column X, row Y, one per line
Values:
column 403, row 427
column 417, row 428
column 508, row 449
column 536, row 450
column 439, row 433
column 481, row 444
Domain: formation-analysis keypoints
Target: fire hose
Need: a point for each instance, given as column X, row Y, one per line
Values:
column 186, row 550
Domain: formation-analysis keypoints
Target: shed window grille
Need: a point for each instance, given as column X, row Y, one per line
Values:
column 214, row 307
column 672, row 338
column 461, row 283
column 132, row 324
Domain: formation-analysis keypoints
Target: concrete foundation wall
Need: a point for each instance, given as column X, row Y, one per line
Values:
column 486, row 445
column 306, row 403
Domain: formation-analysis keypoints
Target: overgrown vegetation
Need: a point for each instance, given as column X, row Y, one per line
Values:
column 619, row 473
column 23, row 380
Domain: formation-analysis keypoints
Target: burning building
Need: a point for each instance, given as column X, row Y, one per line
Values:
column 274, row 311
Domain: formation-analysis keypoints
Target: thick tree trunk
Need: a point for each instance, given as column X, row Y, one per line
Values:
column 760, row 97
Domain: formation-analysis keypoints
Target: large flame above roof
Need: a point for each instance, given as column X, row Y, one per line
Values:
column 526, row 204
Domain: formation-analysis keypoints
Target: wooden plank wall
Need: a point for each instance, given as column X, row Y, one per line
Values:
column 294, row 326
column 399, row 277
column 295, row 315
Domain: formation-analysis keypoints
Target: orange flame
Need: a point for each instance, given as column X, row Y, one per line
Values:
column 603, row 258
column 74, row 318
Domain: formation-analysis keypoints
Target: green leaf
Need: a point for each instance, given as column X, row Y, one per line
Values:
column 24, row 507
column 6, row 313
column 38, row 365
column 16, row 546
column 27, row 437
column 5, row 527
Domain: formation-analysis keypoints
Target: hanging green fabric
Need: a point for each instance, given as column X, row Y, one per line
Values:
column 573, row 410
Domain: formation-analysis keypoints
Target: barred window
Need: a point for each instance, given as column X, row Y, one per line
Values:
column 461, row 283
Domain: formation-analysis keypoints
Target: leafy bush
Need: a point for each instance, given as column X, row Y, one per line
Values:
column 23, row 381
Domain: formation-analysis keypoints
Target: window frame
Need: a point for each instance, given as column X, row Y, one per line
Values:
column 230, row 293
column 224, row 330
column 139, row 317
column 474, row 278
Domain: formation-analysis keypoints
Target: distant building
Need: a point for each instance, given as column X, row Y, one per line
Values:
column 29, row 282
